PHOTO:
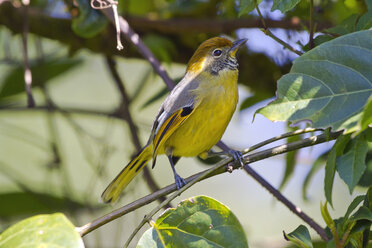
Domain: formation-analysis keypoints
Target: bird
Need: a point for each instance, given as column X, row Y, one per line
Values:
column 194, row 116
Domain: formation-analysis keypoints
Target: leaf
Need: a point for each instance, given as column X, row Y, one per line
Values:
column 365, row 21
column 326, row 216
column 247, row 6
column 196, row 222
column 366, row 179
column 347, row 26
column 366, row 119
column 363, row 213
column 53, row 230
column 90, row 22
column 300, row 237
column 328, row 85
column 330, row 167
column 352, row 164
column 357, row 200
column 284, row 5
column 28, row 203
column 42, row 72
column 318, row 163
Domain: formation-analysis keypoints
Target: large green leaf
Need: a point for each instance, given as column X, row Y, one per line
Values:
column 330, row 167
column 352, row 164
column 328, row 85
column 53, row 230
column 284, row 5
column 42, row 72
column 196, row 222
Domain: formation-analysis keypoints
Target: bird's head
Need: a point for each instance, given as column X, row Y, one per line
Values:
column 214, row 55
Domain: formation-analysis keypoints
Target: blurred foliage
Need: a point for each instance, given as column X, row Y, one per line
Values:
column 77, row 27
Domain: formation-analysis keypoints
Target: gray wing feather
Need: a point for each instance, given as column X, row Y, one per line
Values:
column 181, row 96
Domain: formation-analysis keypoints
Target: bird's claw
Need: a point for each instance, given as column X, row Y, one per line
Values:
column 237, row 156
column 180, row 182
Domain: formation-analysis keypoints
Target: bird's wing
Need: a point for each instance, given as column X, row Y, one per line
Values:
column 176, row 108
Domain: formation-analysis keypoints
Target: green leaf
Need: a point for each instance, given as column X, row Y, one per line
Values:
column 328, row 85
column 366, row 119
column 366, row 179
column 326, row 216
column 29, row 203
column 300, row 237
column 363, row 213
column 357, row 200
column 365, row 21
column 318, row 163
column 53, row 230
column 352, row 164
column 345, row 27
column 330, row 167
column 42, row 72
column 90, row 22
column 196, row 222
column 284, row 5
column 247, row 6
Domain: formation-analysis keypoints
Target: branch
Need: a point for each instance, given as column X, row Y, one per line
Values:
column 125, row 112
column 171, row 188
column 270, row 34
column 141, row 47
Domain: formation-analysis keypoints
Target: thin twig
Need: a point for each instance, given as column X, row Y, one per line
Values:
column 279, row 137
column 311, row 25
column 141, row 47
column 27, row 70
column 267, row 31
column 125, row 112
column 171, row 188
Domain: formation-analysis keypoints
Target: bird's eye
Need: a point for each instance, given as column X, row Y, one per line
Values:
column 217, row 53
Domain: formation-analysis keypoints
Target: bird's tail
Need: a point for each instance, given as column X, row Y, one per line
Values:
column 112, row 192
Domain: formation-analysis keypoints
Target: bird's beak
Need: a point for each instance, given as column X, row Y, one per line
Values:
column 236, row 45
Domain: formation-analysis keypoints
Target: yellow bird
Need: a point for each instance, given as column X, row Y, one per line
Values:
column 195, row 114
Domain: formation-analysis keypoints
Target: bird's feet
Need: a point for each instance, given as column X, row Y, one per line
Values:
column 236, row 155
column 180, row 182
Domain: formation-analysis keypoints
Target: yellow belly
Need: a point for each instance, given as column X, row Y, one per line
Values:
column 206, row 125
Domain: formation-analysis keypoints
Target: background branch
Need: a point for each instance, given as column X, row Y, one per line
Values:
column 142, row 48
